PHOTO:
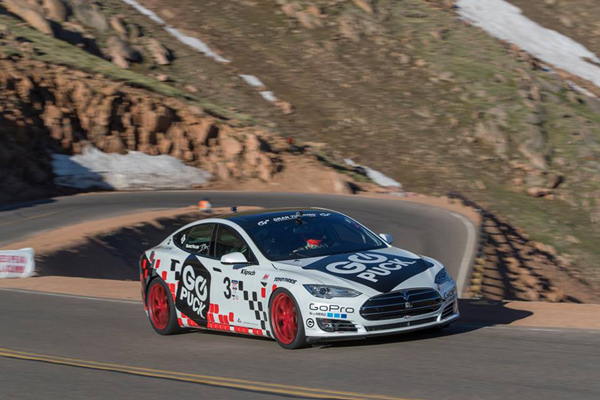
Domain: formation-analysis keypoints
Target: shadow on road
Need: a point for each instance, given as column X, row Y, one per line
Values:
column 17, row 206
column 475, row 314
column 110, row 256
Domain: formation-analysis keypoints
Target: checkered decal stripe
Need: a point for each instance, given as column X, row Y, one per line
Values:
column 256, row 305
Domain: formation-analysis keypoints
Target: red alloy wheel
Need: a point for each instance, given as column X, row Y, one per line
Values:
column 158, row 306
column 285, row 318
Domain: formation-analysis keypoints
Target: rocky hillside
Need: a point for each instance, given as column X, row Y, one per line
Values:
column 442, row 106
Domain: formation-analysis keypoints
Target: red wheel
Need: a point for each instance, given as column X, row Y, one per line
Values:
column 158, row 307
column 161, row 309
column 286, row 320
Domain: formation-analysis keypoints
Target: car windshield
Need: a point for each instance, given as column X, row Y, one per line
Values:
column 314, row 234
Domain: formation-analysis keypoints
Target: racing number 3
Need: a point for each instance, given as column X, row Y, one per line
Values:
column 227, row 283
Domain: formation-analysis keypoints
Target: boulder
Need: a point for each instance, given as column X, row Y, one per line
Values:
column 55, row 10
column 191, row 88
column 160, row 54
column 119, row 27
column 539, row 192
column 365, row 5
column 285, row 107
column 204, row 131
column 252, row 144
column 230, row 147
column 314, row 11
column 15, row 6
column 308, row 20
column 555, row 296
column 490, row 132
column 349, row 28
column 164, row 146
column 32, row 15
column 290, row 9
column 265, row 168
column 222, row 172
column 88, row 14
column 113, row 144
column 566, row 21
column 533, row 147
column 121, row 52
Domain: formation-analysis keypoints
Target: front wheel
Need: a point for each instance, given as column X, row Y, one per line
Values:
column 286, row 320
column 161, row 309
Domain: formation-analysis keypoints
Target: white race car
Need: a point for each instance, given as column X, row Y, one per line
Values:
column 296, row 275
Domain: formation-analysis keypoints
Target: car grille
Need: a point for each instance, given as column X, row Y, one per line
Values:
column 400, row 324
column 400, row 304
column 448, row 311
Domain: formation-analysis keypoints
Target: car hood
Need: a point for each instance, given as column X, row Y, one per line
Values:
column 373, row 271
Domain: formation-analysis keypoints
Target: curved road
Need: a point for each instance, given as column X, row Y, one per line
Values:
column 61, row 347
column 422, row 229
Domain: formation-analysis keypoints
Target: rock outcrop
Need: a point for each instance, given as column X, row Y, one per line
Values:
column 55, row 10
column 31, row 13
column 49, row 109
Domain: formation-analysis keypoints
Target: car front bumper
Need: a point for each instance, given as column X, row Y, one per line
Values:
column 357, row 327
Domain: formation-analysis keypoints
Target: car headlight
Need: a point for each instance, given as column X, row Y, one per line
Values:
column 329, row 292
column 442, row 277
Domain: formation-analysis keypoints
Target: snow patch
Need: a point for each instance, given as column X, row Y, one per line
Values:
column 505, row 21
column 148, row 13
column 378, row 177
column 195, row 43
column 252, row 81
column 268, row 95
column 133, row 171
column 190, row 41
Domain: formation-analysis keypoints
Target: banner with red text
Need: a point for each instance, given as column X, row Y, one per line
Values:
column 17, row 263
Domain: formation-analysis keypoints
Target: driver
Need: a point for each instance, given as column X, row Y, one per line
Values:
column 312, row 236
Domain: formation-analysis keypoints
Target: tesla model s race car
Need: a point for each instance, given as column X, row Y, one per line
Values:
column 295, row 275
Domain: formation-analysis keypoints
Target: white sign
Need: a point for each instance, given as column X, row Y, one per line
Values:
column 17, row 263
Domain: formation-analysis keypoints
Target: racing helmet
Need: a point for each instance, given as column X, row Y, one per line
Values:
column 312, row 234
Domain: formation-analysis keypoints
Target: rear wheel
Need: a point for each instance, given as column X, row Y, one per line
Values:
column 161, row 310
column 286, row 320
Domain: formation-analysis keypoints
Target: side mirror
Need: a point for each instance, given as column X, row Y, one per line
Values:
column 235, row 258
column 387, row 237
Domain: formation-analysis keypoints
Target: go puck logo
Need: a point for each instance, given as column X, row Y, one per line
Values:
column 357, row 264
column 380, row 271
column 193, row 293
column 310, row 322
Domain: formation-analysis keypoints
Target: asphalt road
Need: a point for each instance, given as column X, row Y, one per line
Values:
column 56, row 347
column 424, row 230
column 462, row 363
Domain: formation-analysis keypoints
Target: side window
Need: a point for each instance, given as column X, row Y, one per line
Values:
column 229, row 241
column 180, row 238
column 196, row 239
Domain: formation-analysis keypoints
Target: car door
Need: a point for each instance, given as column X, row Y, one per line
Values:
column 190, row 262
column 240, row 283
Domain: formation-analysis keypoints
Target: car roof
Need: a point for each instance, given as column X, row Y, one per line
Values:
column 243, row 217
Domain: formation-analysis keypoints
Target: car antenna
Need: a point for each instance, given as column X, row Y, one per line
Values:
column 234, row 209
column 299, row 218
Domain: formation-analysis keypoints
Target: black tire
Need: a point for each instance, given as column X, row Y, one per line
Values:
column 300, row 337
column 171, row 327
